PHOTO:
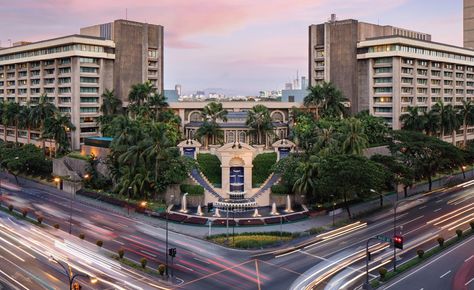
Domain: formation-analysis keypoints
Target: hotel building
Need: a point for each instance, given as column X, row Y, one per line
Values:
column 75, row 70
column 385, row 69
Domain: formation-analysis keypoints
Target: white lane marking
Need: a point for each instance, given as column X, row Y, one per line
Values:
column 109, row 228
column 118, row 242
column 469, row 282
column 422, row 207
column 469, row 258
column 189, row 269
column 148, row 253
column 438, row 201
column 436, row 210
column 14, row 280
column 441, row 277
column 286, row 254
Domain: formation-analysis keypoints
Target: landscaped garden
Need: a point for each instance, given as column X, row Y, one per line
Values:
column 251, row 240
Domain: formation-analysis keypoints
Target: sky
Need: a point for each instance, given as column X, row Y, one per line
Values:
column 237, row 46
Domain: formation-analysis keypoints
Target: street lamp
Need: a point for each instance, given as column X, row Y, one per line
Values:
column 167, row 214
column 380, row 194
column 333, row 209
column 70, row 275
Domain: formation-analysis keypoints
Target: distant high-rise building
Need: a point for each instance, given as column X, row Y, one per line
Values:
column 177, row 88
column 333, row 48
column 288, row 86
column 468, row 23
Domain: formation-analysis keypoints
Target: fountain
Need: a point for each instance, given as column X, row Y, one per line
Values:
column 274, row 209
column 256, row 214
column 217, row 214
column 183, row 204
column 288, row 204
column 199, row 211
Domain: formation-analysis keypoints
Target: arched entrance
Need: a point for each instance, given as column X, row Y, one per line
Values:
column 236, row 175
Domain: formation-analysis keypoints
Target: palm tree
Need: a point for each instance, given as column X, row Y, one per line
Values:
column 333, row 101
column 466, row 112
column 314, row 100
column 3, row 119
column 449, row 121
column 158, row 103
column 412, row 121
column 25, row 121
column 111, row 105
column 259, row 119
column 57, row 128
column 211, row 113
column 431, row 122
column 139, row 94
column 355, row 140
column 326, row 141
column 11, row 116
column 308, row 171
column 40, row 113
column 207, row 131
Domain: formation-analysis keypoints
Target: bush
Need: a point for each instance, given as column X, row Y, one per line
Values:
column 279, row 189
column 121, row 253
column 472, row 225
column 440, row 241
column 382, row 272
column 262, row 167
column 56, row 226
column 143, row 262
column 420, row 253
column 192, row 189
column 99, row 243
column 39, row 219
column 82, row 236
column 315, row 231
column 24, row 212
column 161, row 269
column 459, row 233
column 210, row 166
column 78, row 155
column 10, row 207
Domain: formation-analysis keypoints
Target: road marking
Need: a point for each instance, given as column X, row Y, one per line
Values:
column 469, row 282
column 441, row 277
column 289, row 253
column 108, row 228
column 469, row 258
column 118, row 242
column 436, row 210
column 148, row 253
column 422, row 207
column 438, row 201
column 202, row 261
column 189, row 269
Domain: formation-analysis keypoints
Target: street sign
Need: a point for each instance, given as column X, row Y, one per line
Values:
column 384, row 239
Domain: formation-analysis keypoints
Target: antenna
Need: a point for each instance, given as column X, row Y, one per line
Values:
column 126, row 13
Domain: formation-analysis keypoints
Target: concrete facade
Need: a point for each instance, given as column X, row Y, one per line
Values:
column 333, row 53
column 468, row 24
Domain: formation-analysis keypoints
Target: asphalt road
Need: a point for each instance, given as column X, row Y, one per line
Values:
column 334, row 262
column 453, row 269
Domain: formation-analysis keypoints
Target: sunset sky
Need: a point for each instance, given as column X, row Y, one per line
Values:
column 242, row 46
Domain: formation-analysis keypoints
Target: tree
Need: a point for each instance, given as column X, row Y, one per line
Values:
column 259, row 119
column 375, row 128
column 57, row 128
column 287, row 169
column 431, row 122
column 327, row 141
column 139, row 94
column 25, row 122
column 399, row 173
column 303, row 131
column 211, row 113
column 413, row 120
column 466, row 112
column 325, row 100
column 425, row 155
column 158, row 104
column 314, row 100
column 349, row 177
column 308, row 172
column 354, row 138
column 449, row 121
column 111, row 105
column 40, row 113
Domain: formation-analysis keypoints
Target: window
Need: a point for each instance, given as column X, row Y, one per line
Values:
column 89, row 110
column 64, row 80
column 381, row 60
column 383, row 90
column 88, row 60
column 65, row 61
column 89, row 130
column 422, row 90
column 291, row 99
column 436, row 82
column 49, row 90
column 407, row 90
column 407, row 61
column 448, row 83
column 436, row 91
column 460, row 75
column 423, row 72
column 85, row 69
column 64, row 100
column 195, row 117
column 407, row 70
column 34, row 91
column 35, row 82
column 383, row 100
column 382, row 80
column 65, row 90
column 152, row 53
column 65, row 109
column 448, row 74
column 89, row 80
column 422, row 63
column 422, row 81
column 407, row 81
column 89, row 100
column 89, row 90
column 382, row 110
column 381, row 70
column 64, row 70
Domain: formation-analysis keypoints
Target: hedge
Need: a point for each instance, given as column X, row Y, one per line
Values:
column 192, row 189
column 262, row 165
column 78, row 155
column 210, row 166
column 280, row 189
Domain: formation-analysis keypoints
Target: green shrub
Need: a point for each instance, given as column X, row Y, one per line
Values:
column 24, row 212
column 459, row 233
column 192, row 189
column 279, row 189
column 82, row 236
column 210, row 166
column 143, row 262
column 440, row 241
column 262, row 167
column 56, row 226
column 78, row 155
column 315, row 231
column 161, row 269
column 39, row 219
column 420, row 253
column 10, row 207
column 99, row 243
column 382, row 272
column 121, row 253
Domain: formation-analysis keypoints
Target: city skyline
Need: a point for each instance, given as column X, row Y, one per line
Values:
column 225, row 45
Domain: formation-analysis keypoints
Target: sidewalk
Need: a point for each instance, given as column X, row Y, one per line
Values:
column 203, row 231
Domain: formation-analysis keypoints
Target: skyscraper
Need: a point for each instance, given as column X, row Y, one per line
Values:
column 468, row 24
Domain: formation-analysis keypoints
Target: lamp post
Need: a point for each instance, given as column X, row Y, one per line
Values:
column 380, row 195
column 333, row 209
column 71, row 277
column 167, row 214
column 73, row 195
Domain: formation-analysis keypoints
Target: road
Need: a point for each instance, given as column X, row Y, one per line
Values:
column 453, row 269
column 334, row 262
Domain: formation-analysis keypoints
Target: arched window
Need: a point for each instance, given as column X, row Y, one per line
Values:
column 277, row 117
column 195, row 117
column 242, row 137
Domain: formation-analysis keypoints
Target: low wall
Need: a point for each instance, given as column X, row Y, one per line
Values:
column 60, row 169
column 381, row 150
